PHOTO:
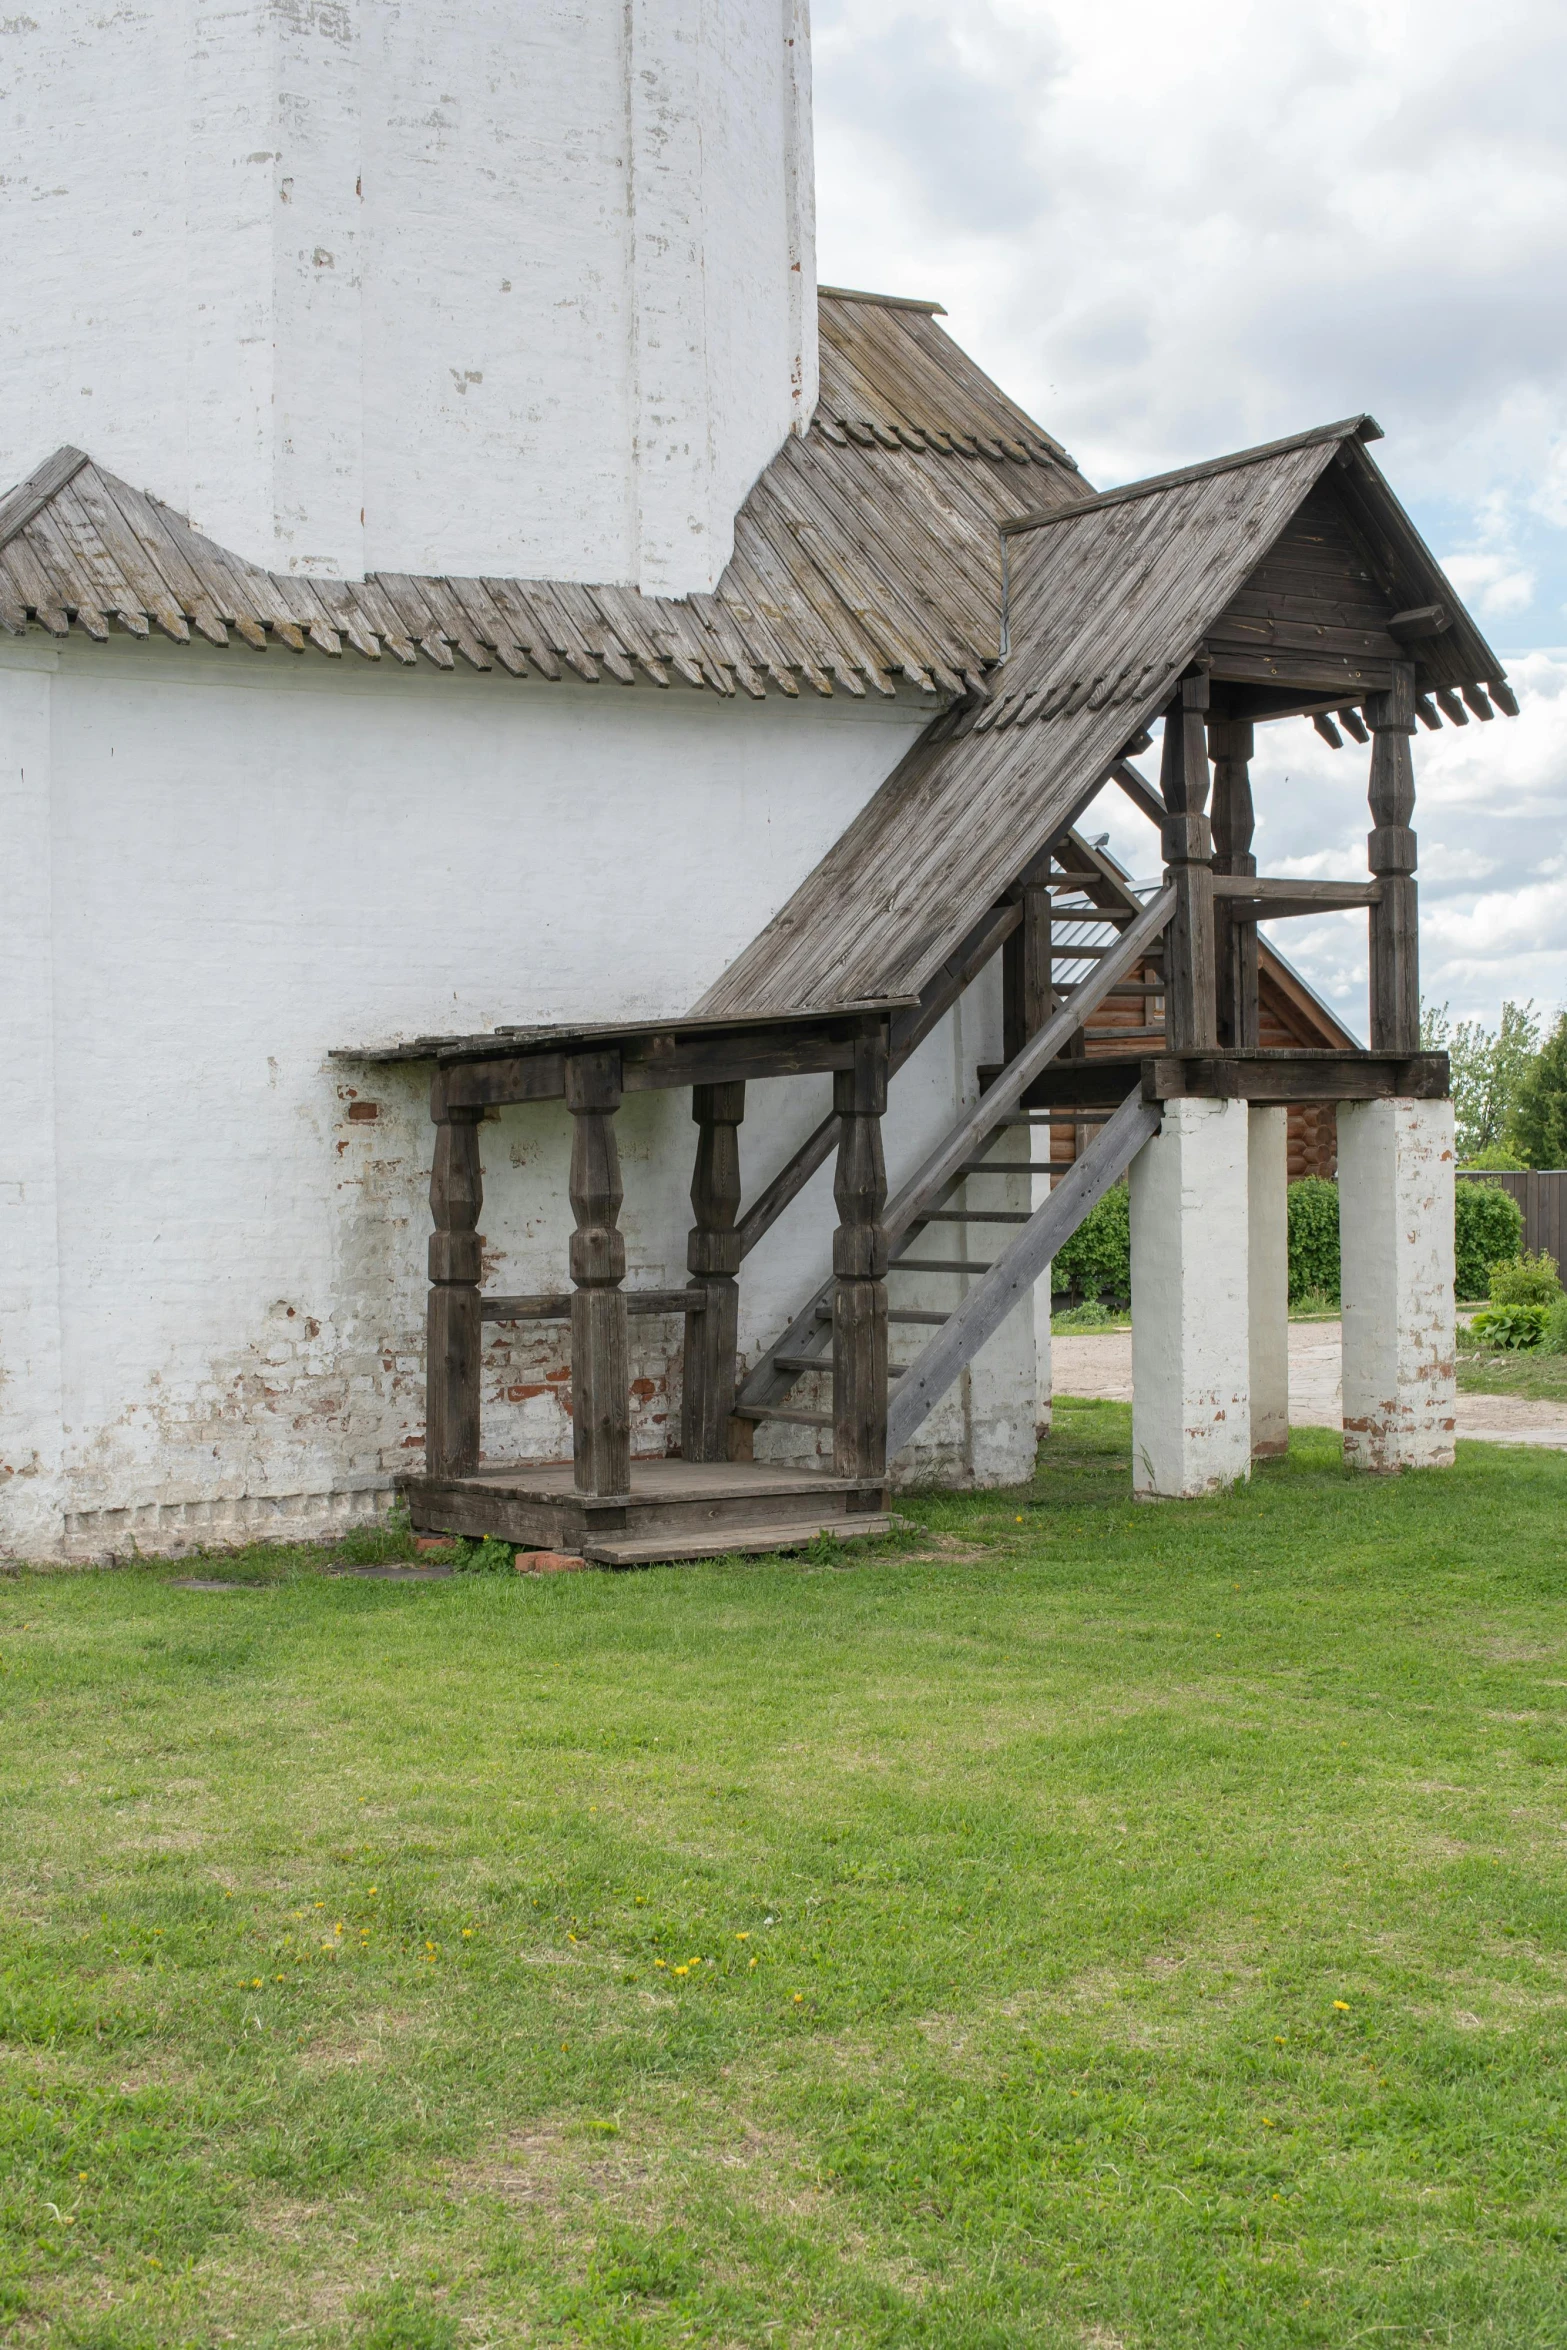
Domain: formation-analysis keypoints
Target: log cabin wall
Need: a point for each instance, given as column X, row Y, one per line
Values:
column 1291, row 1017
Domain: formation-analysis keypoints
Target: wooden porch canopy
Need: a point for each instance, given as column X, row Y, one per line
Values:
column 1287, row 578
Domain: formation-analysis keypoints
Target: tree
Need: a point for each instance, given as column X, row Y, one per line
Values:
column 1540, row 1121
column 1490, row 1066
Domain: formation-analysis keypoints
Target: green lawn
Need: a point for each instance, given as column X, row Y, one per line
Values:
column 1086, row 1925
column 1540, row 1376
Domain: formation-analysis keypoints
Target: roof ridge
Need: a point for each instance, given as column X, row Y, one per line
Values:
column 1361, row 428
column 27, row 501
column 887, row 301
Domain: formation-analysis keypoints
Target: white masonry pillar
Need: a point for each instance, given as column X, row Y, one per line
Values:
column 1395, row 1194
column 1268, row 1279
column 1191, row 1417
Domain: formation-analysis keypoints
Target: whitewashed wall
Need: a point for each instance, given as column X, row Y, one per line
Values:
column 382, row 285
column 219, row 866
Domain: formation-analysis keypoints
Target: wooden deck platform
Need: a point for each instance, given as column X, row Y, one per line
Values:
column 674, row 1510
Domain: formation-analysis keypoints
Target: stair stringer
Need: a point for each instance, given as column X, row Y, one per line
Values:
column 766, row 1384
column 1014, row 1273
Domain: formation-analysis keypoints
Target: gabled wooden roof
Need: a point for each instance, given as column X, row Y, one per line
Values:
column 867, row 552
column 1108, row 600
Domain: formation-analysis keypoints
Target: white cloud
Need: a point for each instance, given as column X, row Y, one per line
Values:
column 1490, row 582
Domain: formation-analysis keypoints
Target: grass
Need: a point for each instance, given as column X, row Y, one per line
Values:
column 1084, row 1925
column 1542, row 1376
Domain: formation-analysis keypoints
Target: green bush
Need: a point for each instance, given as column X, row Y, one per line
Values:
column 1518, row 1326
column 1487, row 1226
column 1528, row 1279
column 1313, row 1240
column 1553, row 1338
column 1097, row 1260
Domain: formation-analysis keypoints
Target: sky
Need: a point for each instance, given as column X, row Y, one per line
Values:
column 1170, row 231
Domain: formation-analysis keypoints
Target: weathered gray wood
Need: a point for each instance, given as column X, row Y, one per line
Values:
column 1012, row 1277
column 713, row 1255
column 600, row 1351
column 943, row 1165
column 554, row 1305
column 1327, row 896
column 1139, row 791
column 859, row 1263
column 451, row 1425
column 1395, row 940
column 1235, row 943
column 1191, row 1001
column 1296, row 1077
column 910, row 1027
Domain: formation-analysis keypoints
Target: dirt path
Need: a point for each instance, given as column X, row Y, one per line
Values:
column 1102, row 1365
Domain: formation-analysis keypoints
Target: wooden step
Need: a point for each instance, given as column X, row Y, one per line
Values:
column 645, row 1550
column 974, row 1215
column 781, row 1411
column 942, row 1264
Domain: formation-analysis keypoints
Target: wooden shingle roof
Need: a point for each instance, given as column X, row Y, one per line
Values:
column 1109, row 598
column 867, row 552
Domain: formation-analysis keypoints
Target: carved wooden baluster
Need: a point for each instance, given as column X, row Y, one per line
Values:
column 451, row 1415
column 1191, row 995
column 1395, row 926
column 600, row 1351
column 1231, row 743
column 859, row 1260
column 713, row 1259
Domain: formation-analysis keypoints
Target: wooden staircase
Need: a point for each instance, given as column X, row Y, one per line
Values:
column 926, row 1200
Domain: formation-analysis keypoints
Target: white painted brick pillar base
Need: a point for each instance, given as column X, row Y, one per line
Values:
column 1268, row 1279
column 1191, row 1416
column 1395, row 1193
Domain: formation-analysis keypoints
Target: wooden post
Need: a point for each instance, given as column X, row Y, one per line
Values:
column 1395, row 929
column 1026, row 998
column 451, row 1411
column 859, row 1262
column 1191, row 994
column 600, row 1353
column 713, row 1260
column 1230, row 742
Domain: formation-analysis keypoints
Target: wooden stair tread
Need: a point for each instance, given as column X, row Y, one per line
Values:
column 643, row 1550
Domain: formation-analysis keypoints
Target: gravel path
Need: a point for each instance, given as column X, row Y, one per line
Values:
column 1102, row 1365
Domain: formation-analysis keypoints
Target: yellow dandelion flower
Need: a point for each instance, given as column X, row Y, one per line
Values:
column 742, row 1937
column 467, row 1933
column 799, row 1998
column 1342, row 2005
column 682, row 1970
column 663, row 1962
column 751, row 1962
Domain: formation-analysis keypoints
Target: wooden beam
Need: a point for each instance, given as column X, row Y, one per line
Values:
column 451, row 1417
column 859, row 1263
column 600, row 1351
column 713, row 1259
column 1296, row 1077
column 1422, row 620
column 1139, row 791
column 554, row 1305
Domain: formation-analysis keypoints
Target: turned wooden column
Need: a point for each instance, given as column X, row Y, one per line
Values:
column 1026, row 1002
column 600, row 1353
column 1395, row 930
column 859, row 1262
column 451, row 1411
column 1234, row 821
column 713, row 1260
column 1191, row 994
